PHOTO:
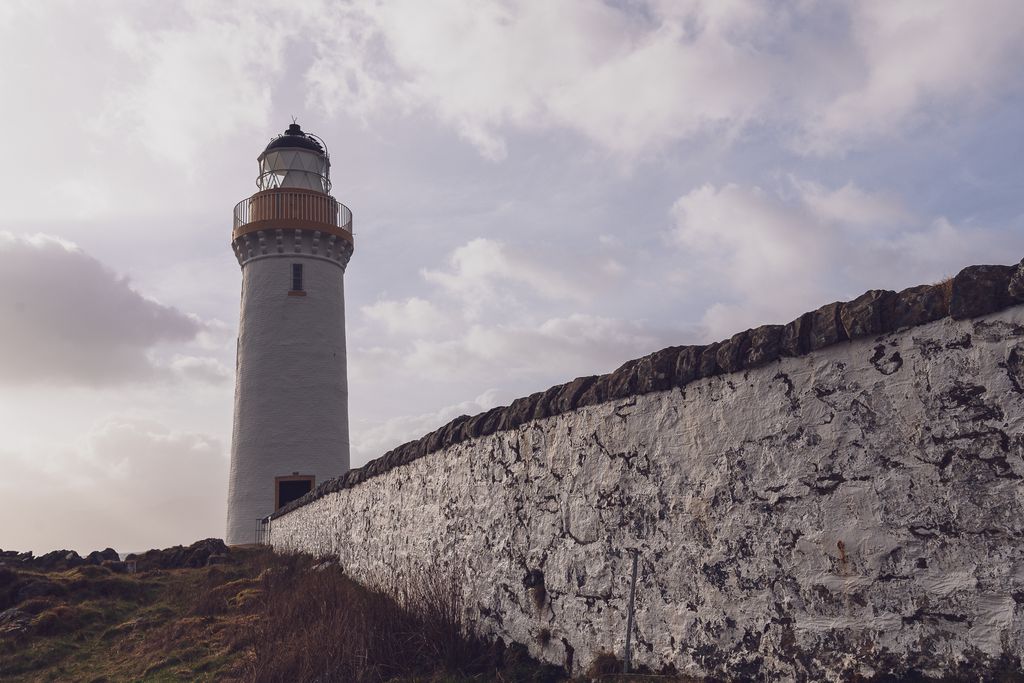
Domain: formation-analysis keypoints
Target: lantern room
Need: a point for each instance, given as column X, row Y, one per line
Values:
column 294, row 191
column 295, row 159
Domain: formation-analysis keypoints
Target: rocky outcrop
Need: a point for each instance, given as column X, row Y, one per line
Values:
column 14, row 622
column 101, row 556
column 852, row 513
column 199, row 554
column 975, row 291
column 57, row 560
column 180, row 557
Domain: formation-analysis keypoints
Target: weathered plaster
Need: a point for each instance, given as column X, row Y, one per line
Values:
column 291, row 390
column 855, row 510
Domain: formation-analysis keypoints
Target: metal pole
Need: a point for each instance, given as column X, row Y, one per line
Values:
column 627, row 659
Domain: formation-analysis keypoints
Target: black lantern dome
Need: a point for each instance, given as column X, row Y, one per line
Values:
column 294, row 137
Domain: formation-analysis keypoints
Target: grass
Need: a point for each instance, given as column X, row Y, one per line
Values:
column 96, row 626
column 256, row 617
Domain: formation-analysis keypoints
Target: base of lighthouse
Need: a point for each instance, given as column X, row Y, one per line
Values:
column 291, row 395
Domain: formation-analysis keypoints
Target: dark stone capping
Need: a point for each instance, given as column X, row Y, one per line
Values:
column 475, row 426
column 794, row 341
column 867, row 315
column 687, row 365
column 708, row 364
column 733, row 352
column 544, row 403
column 1016, row 287
column 491, row 419
column 826, row 327
column 975, row 291
column 435, row 440
column 919, row 305
column 569, row 395
column 622, row 382
column 521, row 410
column 452, row 432
column 596, row 393
column 765, row 345
column 978, row 290
column 656, row 372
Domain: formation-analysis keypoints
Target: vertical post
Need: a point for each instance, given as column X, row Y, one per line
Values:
column 627, row 658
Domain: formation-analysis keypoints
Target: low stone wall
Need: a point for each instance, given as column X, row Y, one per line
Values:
column 852, row 508
column 975, row 291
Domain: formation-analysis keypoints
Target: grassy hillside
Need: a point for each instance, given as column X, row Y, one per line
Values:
column 91, row 624
column 253, row 616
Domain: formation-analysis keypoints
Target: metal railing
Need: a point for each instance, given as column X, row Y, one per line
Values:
column 262, row 536
column 294, row 206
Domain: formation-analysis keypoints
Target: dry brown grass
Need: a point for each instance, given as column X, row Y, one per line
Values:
column 259, row 617
column 945, row 287
column 319, row 625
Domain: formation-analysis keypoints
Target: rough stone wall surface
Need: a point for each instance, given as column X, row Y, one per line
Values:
column 974, row 291
column 291, row 391
column 854, row 511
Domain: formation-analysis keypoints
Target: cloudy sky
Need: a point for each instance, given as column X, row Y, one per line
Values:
column 541, row 189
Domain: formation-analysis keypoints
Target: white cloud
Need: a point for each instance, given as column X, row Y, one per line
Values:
column 555, row 349
column 501, row 311
column 483, row 270
column 914, row 56
column 216, row 335
column 373, row 439
column 625, row 82
column 631, row 79
column 414, row 316
column 765, row 257
column 634, row 81
column 571, row 344
column 201, row 368
column 745, row 234
column 193, row 82
column 497, row 316
column 850, row 204
column 69, row 319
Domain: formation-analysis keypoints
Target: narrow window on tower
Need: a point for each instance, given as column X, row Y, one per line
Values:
column 296, row 289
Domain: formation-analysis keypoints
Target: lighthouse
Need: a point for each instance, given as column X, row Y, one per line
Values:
column 293, row 241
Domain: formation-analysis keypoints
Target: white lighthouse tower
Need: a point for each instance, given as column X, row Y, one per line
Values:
column 293, row 241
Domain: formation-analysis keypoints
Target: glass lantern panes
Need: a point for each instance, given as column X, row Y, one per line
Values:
column 300, row 168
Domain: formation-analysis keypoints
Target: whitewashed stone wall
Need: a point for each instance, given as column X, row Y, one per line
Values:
column 856, row 511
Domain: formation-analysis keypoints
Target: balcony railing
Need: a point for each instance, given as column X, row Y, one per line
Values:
column 291, row 208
